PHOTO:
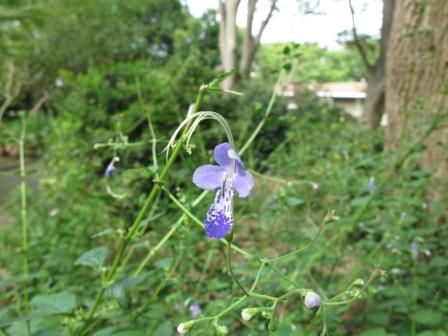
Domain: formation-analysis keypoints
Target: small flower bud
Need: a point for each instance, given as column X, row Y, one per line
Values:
column 222, row 330
column 331, row 217
column 248, row 313
column 184, row 327
column 312, row 300
column 267, row 314
column 358, row 283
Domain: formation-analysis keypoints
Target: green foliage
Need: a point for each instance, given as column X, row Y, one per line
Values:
column 124, row 76
column 314, row 64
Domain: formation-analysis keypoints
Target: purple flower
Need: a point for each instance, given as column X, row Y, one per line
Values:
column 110, row 169
column 371, row 186
column 414, row 250
column 228, row 176
column 195, row 309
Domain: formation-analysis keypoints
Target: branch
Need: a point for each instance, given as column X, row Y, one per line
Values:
column 222, row 27
column 251, row 6
column 10, row 92
column 358, row 43
column 39, row 103
column 265, row 23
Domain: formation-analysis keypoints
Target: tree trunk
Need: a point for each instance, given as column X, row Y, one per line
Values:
column 374, row 106
column 227, row 38
column 417, row 84
column 249, row 41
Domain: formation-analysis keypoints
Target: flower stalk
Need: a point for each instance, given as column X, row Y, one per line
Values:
column 24, row 220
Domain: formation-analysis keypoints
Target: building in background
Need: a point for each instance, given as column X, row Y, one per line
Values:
column 349, row 96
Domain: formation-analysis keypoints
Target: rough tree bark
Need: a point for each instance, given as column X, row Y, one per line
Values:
column 376, row 72
column 417, row 84
column 228, row 10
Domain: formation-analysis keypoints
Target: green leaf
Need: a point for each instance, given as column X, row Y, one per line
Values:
column 375, row 332
column 57, row 303
column 294, row 201
column 164, row 329
column 118, row 292
column 429, row 316
column 164, row 263
column 221, row 78
column 379, row 318
column 93, row 258
column 432, row 333
column 118, row 331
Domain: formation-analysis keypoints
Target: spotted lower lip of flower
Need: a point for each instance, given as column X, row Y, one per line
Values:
column 228, row 176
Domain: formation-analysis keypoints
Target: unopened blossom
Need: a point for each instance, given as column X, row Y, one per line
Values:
column 248, row 313
column 184, row 327
column 229, row 175
column 312, row 300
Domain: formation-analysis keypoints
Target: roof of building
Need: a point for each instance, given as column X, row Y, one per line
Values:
column 342, row 90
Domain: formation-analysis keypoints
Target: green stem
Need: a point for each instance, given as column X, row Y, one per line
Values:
column 257, row 277
column 24, row 220
column 265, row 117
column 159, row 245
column 134, row 227
column 284, row 277
column 300, row 250
column 229, row 264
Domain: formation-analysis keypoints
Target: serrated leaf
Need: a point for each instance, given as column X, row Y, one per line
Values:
column 57, row 303
column 93, row 258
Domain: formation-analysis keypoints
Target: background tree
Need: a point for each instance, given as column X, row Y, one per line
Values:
column 317, row 64
column 228, row 10
column 376, row 70
column 417, row 86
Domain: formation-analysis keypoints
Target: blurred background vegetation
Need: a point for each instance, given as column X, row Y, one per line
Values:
column 85, row 76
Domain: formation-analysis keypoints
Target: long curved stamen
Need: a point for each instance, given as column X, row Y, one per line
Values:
column 195, row 119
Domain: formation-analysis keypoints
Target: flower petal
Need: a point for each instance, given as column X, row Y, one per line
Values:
column 244, row 182
column 221, row 154
column 209, row 177
column 234, row 156
column 219, row 219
